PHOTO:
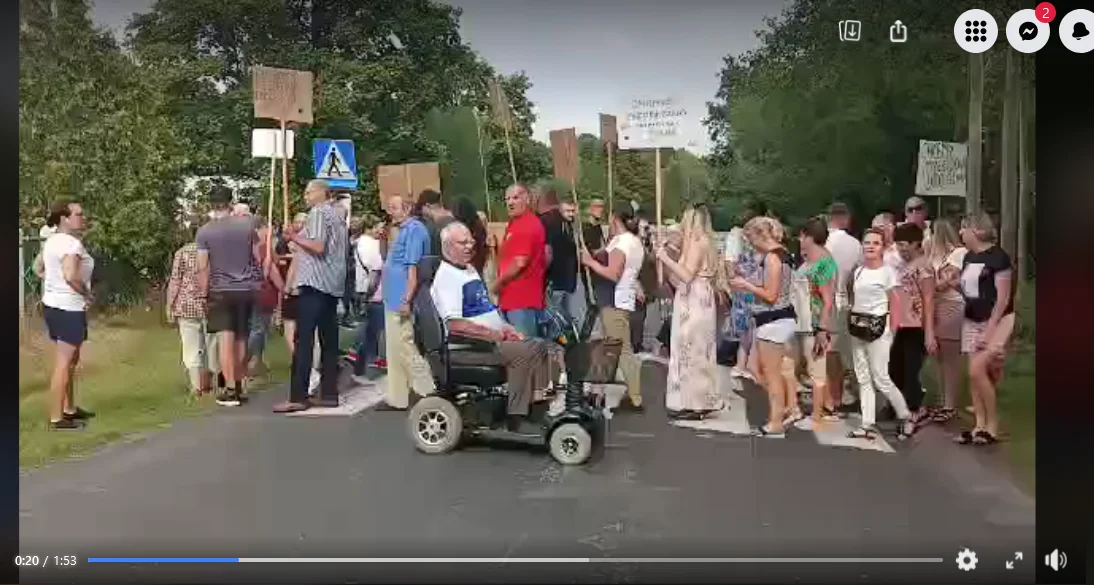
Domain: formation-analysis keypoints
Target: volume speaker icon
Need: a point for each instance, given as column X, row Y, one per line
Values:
column 1056, row 559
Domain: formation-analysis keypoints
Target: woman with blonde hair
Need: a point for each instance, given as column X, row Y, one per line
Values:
column 945, row 255
column 692, row 391
column 987, row 285
column 773, row 315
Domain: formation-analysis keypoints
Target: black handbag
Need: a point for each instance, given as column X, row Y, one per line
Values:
column 862, row 325
column 866, row 327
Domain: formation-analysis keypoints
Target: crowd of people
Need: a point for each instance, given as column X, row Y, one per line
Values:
column 822, row 303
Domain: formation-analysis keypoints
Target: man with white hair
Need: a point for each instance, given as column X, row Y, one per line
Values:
column 241, row 210
column 464, row 305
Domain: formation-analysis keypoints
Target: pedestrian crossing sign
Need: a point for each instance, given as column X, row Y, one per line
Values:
column 335, row 162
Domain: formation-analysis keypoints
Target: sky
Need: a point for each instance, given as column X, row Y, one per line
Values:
column 586, row 57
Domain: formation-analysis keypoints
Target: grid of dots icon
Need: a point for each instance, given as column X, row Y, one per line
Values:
column 976, row 30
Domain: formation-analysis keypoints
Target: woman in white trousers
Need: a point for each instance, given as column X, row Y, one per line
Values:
column 872, row 324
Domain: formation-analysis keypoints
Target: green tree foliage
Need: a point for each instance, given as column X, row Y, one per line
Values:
column 94, row 127
column 393, row 76
column 806, row 119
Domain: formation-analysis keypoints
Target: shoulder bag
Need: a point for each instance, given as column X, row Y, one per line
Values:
column 862, row 325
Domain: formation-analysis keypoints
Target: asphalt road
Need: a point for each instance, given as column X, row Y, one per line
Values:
column 248, row 483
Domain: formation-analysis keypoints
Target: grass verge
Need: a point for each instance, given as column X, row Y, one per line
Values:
column 1017, row 393
column 131, row 376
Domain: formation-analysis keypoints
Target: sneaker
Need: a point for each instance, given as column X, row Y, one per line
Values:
column 380, row 363
column 228, row 398
column 66, row 424
column 79, row 414
column 805, row 424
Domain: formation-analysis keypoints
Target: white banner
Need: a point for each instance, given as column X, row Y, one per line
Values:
column 941, row 169
column 655, row 123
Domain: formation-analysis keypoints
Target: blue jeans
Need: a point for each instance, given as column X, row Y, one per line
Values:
column 525, row 321
column 367, row 337
column 560, row 301
column 260, row 331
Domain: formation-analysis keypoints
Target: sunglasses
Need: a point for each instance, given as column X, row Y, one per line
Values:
column 914, row 209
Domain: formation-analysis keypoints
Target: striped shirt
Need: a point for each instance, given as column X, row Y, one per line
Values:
column 324, row 272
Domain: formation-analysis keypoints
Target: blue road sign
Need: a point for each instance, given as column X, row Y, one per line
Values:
column 336, row 162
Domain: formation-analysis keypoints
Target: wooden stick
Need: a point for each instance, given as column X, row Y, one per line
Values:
column 579, row 240
column 270, row 207
column 611, row 182
column 657, row 195
column 509, row 147
column 284, row 177
column 482, row 163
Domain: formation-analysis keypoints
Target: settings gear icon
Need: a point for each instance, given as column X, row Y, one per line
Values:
column 966, row 560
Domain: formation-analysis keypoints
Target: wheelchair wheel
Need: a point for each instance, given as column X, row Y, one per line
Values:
column 571, row 444
column 435, row 425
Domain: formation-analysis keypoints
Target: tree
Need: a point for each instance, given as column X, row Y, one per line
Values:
column 383, row 69
column 805, row 119
column 94, row 127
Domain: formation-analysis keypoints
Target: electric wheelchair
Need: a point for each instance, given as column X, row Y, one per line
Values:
column 470, row 399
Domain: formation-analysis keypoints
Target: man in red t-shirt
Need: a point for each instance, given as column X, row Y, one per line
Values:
column 522, row 265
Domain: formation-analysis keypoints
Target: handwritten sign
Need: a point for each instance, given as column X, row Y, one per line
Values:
column 941, row 169
column 653, row 123
column 282, row 94
column 564, row 154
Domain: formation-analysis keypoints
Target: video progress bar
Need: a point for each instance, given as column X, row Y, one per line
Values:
column 503, row 561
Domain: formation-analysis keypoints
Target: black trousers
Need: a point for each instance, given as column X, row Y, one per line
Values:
column 315, row 311
column 905, row 361
column 638, row 327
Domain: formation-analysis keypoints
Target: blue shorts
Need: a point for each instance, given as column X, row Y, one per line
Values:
column 66, row 326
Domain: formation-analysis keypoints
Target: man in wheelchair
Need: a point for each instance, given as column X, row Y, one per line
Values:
column 471, row 320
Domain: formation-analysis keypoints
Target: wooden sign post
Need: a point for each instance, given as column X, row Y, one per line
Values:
column 284, row 95
column 609, row 137
column 503, row 114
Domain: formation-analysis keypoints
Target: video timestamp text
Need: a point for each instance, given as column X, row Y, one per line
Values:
column 45, row 561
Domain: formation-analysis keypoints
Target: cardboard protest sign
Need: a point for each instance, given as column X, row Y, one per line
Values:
column 609, row 132
column 407, row 180
column 940, row 169
column 564, row 154
column 282, row 94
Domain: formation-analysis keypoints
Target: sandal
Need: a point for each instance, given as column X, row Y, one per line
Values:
column 792, row 417
column 905, row 429
column 983, row 438
column 764, row 432
column 944, row 415
column 966, row 437
column 868, row 433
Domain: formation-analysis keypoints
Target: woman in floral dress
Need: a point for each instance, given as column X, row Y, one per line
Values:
column 692, row 391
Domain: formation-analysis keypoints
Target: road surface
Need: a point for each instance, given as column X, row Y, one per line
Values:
column 247, row 483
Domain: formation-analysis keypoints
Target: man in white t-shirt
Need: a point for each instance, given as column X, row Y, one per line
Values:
column 846, row 250
column 463, row 303
column 368, row 264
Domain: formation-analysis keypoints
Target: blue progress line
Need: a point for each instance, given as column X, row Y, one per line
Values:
column 162, row 560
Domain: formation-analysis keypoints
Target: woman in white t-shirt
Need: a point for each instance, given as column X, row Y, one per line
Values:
column 946, row 255
column 625, row 256
column 871, row 324
column 66, row 268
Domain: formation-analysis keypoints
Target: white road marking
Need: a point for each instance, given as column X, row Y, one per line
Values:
column 352, row 401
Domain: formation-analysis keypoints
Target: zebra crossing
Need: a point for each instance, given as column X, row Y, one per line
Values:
column 733, row 420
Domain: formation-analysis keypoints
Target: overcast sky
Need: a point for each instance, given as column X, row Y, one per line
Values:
column 590, row 56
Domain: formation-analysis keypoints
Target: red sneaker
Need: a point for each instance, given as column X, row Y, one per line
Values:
column 380, row 363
